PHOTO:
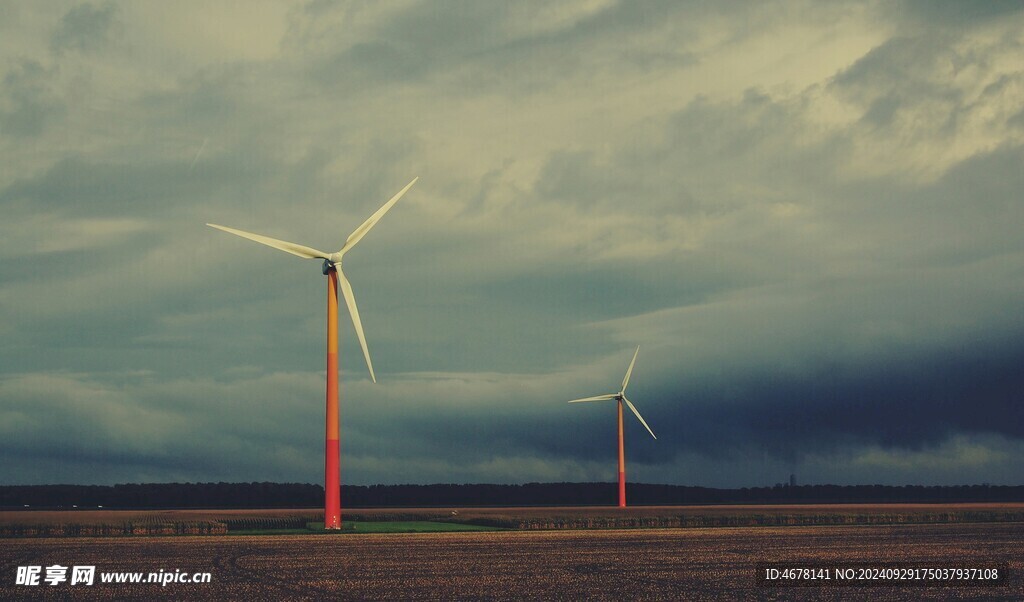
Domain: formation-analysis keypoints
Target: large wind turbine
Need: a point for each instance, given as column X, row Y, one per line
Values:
column 332, row 269
column 620, row 397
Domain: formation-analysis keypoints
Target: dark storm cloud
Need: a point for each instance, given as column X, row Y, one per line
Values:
column 806, row 215
column 909, row 403
column 835, row 374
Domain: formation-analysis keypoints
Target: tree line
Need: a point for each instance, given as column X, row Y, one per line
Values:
column 304, row 495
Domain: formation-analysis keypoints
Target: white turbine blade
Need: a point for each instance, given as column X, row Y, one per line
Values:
column 361, row 231
column 350, row 300
column 639, row 417
column 283, row 245
column 598, row 398
column 625, row 380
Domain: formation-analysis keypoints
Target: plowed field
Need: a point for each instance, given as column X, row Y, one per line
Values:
column 655, row 564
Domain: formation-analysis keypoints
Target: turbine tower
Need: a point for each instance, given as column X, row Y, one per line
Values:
column 335, row 277
column 620, row 397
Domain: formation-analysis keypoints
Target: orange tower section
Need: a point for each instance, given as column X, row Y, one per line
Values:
column 622, row 462
column 332, row 448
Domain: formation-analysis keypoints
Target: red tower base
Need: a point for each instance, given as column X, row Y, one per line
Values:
column 332, row 490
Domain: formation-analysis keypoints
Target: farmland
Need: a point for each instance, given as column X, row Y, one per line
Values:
column 645, row 564
column 62, row 523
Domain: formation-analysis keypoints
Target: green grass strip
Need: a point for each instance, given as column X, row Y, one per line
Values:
column 413, row 526
column 349, row 527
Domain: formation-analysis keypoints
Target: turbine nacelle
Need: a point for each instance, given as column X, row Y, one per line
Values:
column 330, row 264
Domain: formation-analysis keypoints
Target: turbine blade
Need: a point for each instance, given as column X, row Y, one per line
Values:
column 350, row 300
column 282, row 245
column 361, row 231
column 625, row 380
column 639, row 417
column 598, row 398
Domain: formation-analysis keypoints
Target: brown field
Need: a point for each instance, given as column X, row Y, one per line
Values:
column 528, row 511
column 42, row 523
column 641, row 564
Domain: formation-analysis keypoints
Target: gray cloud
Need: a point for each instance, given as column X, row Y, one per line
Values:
column 136, row 188
column 955, row 14
column 27, row 103
column 85, row 28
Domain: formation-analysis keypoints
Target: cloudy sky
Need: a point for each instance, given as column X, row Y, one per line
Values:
column 808, row 215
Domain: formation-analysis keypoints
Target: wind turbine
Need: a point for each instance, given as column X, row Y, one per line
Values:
column 620, row 397
column 332, row 269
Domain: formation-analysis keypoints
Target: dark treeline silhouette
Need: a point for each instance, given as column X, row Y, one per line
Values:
column 301, row 495
column 164, row 495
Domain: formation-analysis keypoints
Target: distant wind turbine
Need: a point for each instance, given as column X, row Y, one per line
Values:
column 620, row 397
column 332, row 269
